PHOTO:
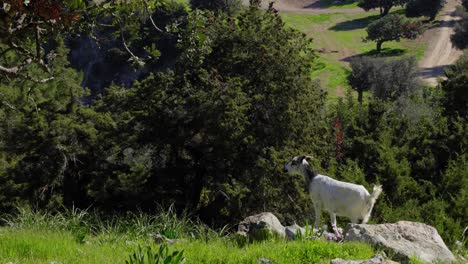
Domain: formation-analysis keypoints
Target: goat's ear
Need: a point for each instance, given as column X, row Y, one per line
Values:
column 308, row 158
column 301, row 158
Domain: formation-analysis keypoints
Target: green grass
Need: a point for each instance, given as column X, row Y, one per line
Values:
column 319, row 251
column 338, row 37
column 81, row 237
column 343, row 4
column 45, row 246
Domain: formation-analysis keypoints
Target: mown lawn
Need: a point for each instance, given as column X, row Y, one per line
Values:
column 338, row 37
column 54, row 246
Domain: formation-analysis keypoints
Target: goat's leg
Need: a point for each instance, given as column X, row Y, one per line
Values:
column 333, row 223
column 318, row 212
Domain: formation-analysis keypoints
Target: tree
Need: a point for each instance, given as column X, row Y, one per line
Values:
column 387, row 79
column 429, row 8
column 25, row 29
column 383, row 5
column 361, row 77
column 455, row 88
column 47, row 134
column 209, row 135
column 392, row 28
column 460, row 36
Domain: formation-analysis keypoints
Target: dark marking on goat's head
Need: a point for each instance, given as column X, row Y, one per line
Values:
column 301, row 164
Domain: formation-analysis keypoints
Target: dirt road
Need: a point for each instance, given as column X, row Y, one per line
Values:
column 440, row 51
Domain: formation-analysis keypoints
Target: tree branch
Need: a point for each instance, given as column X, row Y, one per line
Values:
column 151, row 19
column 14, row 70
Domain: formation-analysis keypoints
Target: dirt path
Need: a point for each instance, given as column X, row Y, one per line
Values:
column 305, row 7
column 440, row 51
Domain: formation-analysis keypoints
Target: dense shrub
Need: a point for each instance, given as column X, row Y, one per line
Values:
column 229, row 6
column 429, row 8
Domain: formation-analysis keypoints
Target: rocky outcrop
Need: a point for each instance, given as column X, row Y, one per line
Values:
column 377, row 259
column 404, row 239
column 261, row 226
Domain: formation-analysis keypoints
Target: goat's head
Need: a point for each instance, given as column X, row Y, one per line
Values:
column 301, row 165
column 297, row 163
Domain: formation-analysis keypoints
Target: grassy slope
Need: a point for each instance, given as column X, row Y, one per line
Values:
column 45, row 246
column 344, row 4
column 341, row 36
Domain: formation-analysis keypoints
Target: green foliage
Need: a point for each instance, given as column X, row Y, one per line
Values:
column 148, row 256
column 386, row 78
column 26, row 29
column 383, row 5
column 429, row 8
column 392, row 28
column 54, row 129
column 412, row 156
column 456, row 94
column 465, row 4
column 459, row 38
column 229, row 6
column 214, row 128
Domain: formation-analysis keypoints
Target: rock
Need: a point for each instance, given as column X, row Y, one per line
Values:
column 261, row 226
column 265, row 261
column 404, row 239
column 160, row 239
column 377, row 259
column 292, row 231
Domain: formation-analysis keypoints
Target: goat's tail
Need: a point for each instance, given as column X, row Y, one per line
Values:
column 376, row 192
column 371, row 201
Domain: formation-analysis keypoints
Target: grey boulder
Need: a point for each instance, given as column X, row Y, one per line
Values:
column 293, row 231
column 261, row 226
column 404, row 239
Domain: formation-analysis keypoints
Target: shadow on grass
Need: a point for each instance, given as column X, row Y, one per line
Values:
column 329, row 3
column 385, row 52
column 358, row 23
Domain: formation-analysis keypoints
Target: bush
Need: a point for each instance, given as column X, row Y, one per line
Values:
column 229, row 6
column 429, row 8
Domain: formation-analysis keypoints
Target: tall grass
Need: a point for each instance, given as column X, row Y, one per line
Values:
column 84, row 236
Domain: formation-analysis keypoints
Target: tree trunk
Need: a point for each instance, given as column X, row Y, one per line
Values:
column 379, row 46
column 385, row 11
column 196, row 187
column 360, row 96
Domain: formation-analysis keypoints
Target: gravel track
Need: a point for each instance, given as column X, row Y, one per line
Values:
column 440, row 51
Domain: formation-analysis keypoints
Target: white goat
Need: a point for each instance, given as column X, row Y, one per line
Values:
column 338, row 198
